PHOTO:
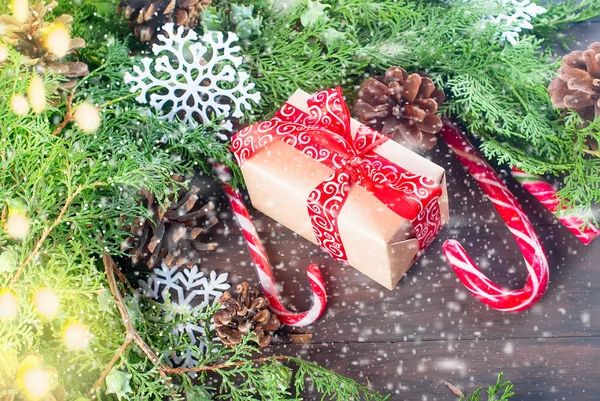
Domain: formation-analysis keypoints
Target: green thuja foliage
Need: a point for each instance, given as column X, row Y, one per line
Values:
column 500, row 391
column 78, row 191
column 498, row 91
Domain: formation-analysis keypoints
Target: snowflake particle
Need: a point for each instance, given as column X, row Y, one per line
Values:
column 195, row 80
column 190, row 291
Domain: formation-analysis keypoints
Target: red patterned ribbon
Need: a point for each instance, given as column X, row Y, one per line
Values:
column 325, row 135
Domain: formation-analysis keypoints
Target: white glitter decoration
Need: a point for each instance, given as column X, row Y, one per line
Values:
column 197, row 80
column 190, row 291
column 518, row 17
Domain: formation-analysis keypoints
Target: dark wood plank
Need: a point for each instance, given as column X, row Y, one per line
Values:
column 551, row 369
column 430, row 303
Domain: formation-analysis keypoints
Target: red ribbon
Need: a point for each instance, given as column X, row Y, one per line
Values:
column 325, row 135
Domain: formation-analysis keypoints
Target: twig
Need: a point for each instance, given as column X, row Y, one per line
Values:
column 110, row 365
column 212, row 368
column 68, row 117
column 46, row 232
column 119, row 99
column 122, row 278
column 132, row 334
column 595, row 153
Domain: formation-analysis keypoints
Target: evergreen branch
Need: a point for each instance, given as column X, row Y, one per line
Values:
column 238, row 363
column 132, row 336
column 493, row 392
column 45, row 234
column 117, row 356
column 561, row 14
column 227, row 365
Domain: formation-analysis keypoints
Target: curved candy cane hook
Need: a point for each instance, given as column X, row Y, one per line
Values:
column 517, row 222
column 265, row 273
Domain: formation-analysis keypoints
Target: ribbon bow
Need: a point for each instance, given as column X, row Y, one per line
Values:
column 325, row 134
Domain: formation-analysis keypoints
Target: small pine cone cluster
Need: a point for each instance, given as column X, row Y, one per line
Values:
column 29, row 39
column 577, row 86
column 243, row 313
column 146, row 17
column 402, row 106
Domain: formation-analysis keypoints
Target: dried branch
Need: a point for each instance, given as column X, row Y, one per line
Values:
column 46, row 232
column 110, row 365
column 68, row 117
column 212, row 368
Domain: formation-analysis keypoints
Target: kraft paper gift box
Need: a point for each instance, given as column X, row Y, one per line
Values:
column 378, row 242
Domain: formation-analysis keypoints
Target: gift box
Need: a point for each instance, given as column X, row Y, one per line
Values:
column 365, row 199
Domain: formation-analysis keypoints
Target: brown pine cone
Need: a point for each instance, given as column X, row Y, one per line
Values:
column 402, row 106
column 146, row 17
column 577, row 86
column 170, row 235
column 28, row 38
column 245, row 312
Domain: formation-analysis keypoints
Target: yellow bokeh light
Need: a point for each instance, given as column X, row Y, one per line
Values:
column 9, row 305
column 76, row 336
column 37, row 94
column 16, row 226
column 58, row 40
column 34, row 381
column 3, row 53
column 20, row 10
column 19, row 105
column 46, row 303
column 87, row 117
column 37, row 383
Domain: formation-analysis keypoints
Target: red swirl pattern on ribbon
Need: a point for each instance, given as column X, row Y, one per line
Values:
column 325, row 135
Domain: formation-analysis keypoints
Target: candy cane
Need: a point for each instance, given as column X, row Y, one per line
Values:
column 265, row 273
column 547, row 195
column 505, row 203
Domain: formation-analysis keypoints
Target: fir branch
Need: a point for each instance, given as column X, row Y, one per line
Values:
column 45, row 234
column 265, row 376
column 501, row 391
column 561, row 14
column 331, row 384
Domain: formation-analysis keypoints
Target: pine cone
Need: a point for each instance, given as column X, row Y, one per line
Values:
column 402, row 106
column 245, row 312
column 170, row 236
column 578, row 84
column 146, row 17
column 28, row 38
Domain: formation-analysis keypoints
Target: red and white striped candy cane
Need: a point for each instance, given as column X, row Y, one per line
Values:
column 507, row 205
column 265, row 273
column 547, row 195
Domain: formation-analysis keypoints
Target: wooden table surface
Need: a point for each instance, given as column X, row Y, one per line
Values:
column 406, row 341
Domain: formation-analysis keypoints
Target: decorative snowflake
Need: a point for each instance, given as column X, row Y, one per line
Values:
column 195, row 80
column 190, row 291
column 518, row 17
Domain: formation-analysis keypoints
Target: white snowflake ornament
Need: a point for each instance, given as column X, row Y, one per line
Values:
column 517, row 16
column 190, row 291
column 194, row 80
